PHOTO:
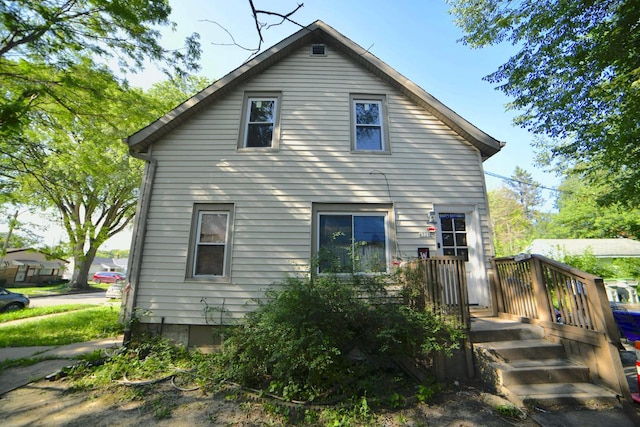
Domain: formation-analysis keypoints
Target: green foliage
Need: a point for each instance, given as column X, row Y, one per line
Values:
column 575, row 79
column 297, row 343
column 515, row 215
column 78, row 326
column 42, row 42
column 580, row 216
column 589, row 263
column 39, row 311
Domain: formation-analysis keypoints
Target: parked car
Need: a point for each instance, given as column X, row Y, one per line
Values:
column 108, row 277
column 628, row 322
column 12, row 301
column 114, row 291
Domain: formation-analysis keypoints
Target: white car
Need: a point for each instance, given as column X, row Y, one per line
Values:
column 114, row 291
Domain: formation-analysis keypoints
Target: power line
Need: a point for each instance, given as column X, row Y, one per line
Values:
column 533, row 184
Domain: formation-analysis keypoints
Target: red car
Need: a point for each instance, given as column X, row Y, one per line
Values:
column 108, row 277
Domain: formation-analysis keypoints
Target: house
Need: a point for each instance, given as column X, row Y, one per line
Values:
column 312, row 145
column 599, row 248
column 101, row 264
column 27, row 265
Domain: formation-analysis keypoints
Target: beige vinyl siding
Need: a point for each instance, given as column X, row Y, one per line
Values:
column 273, row 192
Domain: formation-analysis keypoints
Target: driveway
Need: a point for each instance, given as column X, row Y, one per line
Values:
column 96, row 298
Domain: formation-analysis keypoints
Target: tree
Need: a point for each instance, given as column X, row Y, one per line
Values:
column 509, row 224
column 515, row 215
column 575, row 79
column 526, row 191
column 78, row 166
column 580, row 217
column 41, row 42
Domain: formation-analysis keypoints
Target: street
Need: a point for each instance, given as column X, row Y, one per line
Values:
column 85, row 298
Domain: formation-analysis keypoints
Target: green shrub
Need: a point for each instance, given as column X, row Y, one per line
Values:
column 297, row 343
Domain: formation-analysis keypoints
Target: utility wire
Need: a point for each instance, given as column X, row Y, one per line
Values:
column 533, row 184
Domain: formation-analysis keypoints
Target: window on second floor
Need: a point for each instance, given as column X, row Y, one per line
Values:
column 368, row 124
column 260, row 121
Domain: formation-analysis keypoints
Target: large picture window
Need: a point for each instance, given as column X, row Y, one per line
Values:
column 211, row 241
column 369, row 132
column 260, row 121
column 353, row 241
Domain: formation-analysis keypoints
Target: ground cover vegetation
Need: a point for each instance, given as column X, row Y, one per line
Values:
column 77, row 326
column 321, row 348
column 40, row 311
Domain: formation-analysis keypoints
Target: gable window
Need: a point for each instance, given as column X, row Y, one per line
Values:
column 260, row 121
column 352, row 238
column 211, row 237
column 368, row 120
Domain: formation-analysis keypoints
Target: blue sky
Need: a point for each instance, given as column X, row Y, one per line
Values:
column 417, row 38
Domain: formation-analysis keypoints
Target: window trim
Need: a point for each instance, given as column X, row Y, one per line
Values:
column 384, row 123
column 244, row 120
column 198, row 210
column 354, row 209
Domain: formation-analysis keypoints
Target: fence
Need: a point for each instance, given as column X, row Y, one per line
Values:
column 439, row 284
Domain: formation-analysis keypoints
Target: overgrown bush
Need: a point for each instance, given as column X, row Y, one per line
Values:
column 309, row 338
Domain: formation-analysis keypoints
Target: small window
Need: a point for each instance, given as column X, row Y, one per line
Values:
column 368, row 117
column 211, row 237
column 260, row 121
column 318, row 50
column 352, row 238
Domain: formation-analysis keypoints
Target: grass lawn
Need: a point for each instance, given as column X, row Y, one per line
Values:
column 40, row 311
column 77, row 326
column 60, row 289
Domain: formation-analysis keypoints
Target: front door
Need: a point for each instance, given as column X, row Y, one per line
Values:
column 459, row 235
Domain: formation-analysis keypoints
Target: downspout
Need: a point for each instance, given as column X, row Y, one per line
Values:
column 130, row 292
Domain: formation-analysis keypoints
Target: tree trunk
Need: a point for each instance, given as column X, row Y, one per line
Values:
column 82, row 263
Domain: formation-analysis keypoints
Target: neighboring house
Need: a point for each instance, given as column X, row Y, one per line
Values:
column 314, row 138
column 26, row 265
column 102, row 264
column 599, row 248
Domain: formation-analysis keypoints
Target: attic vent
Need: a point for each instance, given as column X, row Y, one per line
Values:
column 318, row 50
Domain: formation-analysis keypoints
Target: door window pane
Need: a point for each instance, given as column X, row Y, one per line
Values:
column 454, row 235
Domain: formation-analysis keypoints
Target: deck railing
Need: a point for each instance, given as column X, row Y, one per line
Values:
column 439, row 284
column 572, row 307
column 537, row 287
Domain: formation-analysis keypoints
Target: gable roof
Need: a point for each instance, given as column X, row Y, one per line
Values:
column 30, row 256
column 317, row 32
column 600, row 248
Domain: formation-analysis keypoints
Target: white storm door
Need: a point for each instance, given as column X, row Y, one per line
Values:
column 458, row 235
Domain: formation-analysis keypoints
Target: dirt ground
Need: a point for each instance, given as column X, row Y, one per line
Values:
column 50, row 403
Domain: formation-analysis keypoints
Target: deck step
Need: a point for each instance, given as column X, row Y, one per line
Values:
column 561, row 394
column 542, row 371
column 519, row 363
column 533, row 349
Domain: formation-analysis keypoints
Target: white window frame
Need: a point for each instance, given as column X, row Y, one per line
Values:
column 380, row 100
column 249, row 98
column 385, row 211
column 199, row 211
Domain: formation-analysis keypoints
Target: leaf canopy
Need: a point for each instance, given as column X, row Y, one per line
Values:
column 575, row 79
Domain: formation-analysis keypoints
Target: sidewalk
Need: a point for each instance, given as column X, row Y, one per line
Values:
column 62, row 356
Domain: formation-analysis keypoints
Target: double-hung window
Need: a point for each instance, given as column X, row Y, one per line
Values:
column 211, row 241
column 260, row 121
column 368, row 121
column 352, row 238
